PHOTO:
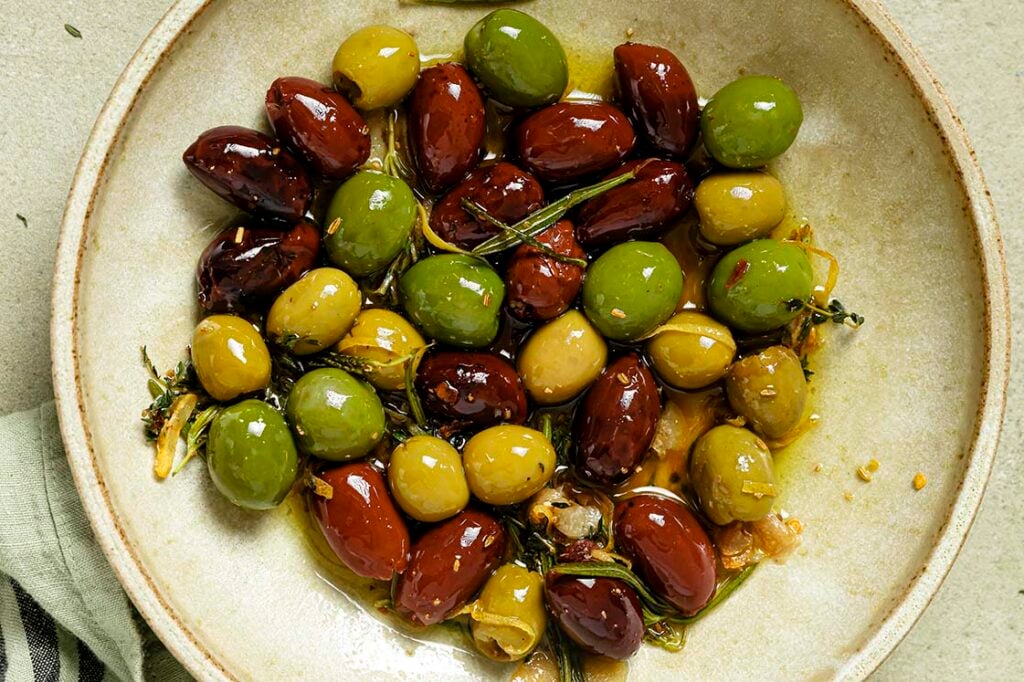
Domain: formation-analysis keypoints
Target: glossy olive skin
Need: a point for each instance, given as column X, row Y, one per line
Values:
column 251, row 455
column 602, row 615
column 642, row 209
column 768, row 389
column 616, row 422
column 750, row 121
column 375, row 214
column 427, row 478
column 737, row 207
column 561, row 359
column 446, row 125
column 571, row 140
column 230, row 357
column 669, row 549
column 725, row 460
column 335, row 416
column 361, row 523
column 477, row 389
column 376, row 66
column 539, row 286
column 383, row 336
column 517, row 59
column 453, row 298
column 656, row 91
column 761, row 285
column 694, row 351
column 506, row 192
column 508, row 464
column 319, row 125
column 315, row 312
column 252, row 171
column 449, row 563
column 631, row 289
column 516, row 596
column 239, row 271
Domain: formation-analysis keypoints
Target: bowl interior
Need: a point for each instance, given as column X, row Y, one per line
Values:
column 869, row 171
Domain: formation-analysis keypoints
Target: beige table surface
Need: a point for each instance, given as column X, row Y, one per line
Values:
column 52, row 87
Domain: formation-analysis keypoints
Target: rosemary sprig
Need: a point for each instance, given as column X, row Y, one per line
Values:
column 480, row 213
column 566, row 655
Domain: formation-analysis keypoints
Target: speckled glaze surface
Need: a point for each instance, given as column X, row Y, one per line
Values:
column 882, row 170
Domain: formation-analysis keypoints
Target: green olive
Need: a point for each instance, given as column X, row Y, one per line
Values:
column 455, row 299
column 731, row 471
column 230, row 357
column 382, row 336
column 750, row 121
column 376, row 66
column 769, row 390
column 315, row 312
column 335, row 416
column 737, row 207
column 507, row 464
column 517, row 58
column 761, row 285
column 631, row 289
column 427, row 479
column 251, row 455
column 693, row 351
column 368, row 222
column 508, row 619
column 562, row 358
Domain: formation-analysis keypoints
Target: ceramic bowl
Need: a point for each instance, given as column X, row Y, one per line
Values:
column 882, row 170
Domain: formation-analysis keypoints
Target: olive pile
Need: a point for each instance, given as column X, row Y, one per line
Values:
column 438, row 348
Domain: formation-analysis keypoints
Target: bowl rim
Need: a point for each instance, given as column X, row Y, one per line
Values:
column 142, row 588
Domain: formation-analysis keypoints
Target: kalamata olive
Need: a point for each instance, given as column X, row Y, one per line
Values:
column 656, row 91
column 508, row 464
column 642, row 209
column 474, row 388
column 427, row 478
column 252, row 171
column 751, row 121
column 376, row 66
column 319, row 125
column 335, row 415
column 361, row 523
column 617, row 422
column 539, row 286
column 508, row 193
column 562, row 358
column 315, row 312
column 508, row 620
column 230, row 357
column 669, row 548
column 571, row 140
column 246, row 266
column 448, row 565
column 692, row 350
column 768, row 389
column 446, row 125
column 732, row 473
column 602, row 615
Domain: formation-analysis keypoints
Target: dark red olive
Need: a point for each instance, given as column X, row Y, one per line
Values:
column 571, row 140
column 319, row 125
column 617, row 421
column 602, row 615
column 449, row 564
column 644, row 208
column 656, row 91
column 471, row 388
column 539, row 286
column 446, row 125
column 669, row 548
column 252, row 171
column 361, row 523
column 247, row 266
column 508, row 193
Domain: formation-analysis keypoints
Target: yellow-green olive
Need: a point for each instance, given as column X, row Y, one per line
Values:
column 507, row 464
column 382, row 336
column 230, row 357
column 427, row 479
column 769, row 389
column 693, row 351
column 376, row 66
column 562, row 358
column 731, row 470
column 738, row 207
column 315, row 312
column 508, row 619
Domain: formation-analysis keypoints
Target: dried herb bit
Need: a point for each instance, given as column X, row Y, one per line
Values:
column 319, row 486
column 23, row 219
column 666, row 635
column 72, row 31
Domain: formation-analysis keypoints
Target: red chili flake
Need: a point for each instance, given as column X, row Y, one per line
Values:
column 742, row 266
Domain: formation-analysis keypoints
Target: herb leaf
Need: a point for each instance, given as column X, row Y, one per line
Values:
column 23, row 219
column 72, row 31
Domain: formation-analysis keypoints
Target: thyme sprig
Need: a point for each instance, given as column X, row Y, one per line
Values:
column 164, row 388
column 835, row 313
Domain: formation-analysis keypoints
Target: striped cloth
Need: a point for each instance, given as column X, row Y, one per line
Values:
column 63, row 615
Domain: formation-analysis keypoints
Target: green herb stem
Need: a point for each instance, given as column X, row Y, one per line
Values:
column 480, row 213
